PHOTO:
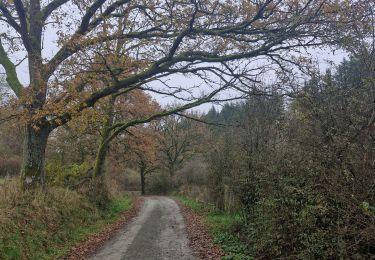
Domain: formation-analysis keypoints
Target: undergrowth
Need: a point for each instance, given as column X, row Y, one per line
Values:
column 224, row 228
column 46, row 224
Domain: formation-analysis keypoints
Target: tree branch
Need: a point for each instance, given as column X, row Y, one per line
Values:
column 110, row 9
column 89, row 14
column 73, row 46
column 9, row 18
column 11, row 73
column 119, row 127
column 46, row 12
column 21, row 15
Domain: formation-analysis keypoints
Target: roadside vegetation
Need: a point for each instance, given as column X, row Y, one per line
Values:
column 224, row 228
column 46, row 224
column 300, row 171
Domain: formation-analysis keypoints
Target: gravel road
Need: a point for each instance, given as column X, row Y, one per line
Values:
column 158, row 232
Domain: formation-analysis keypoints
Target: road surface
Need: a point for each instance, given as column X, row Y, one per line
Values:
column 158, row 232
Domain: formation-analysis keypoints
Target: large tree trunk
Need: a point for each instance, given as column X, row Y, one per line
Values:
column 99, row 186
column 32, row 171
column 101, row 154
column 37, row 131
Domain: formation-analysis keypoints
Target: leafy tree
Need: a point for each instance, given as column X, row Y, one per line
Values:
column 140, row 148
column 130, row 107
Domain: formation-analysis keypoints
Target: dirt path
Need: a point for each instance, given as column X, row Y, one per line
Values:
column 158, row 232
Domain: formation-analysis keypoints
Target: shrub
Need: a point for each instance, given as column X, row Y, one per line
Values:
column 68, row 175
column 10, row 166
column 96, row 192
column 159, row 183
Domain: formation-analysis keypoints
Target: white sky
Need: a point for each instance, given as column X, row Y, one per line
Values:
column 324, row 57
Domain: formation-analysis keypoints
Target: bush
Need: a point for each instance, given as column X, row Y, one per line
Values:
column 78, row 177
column 158, row 183
column 10, row 166
column 68, row 175
column 131, row 180
column 96, row 192
column 193, row 172
column 300, row 218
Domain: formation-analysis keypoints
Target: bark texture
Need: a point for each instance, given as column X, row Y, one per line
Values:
column 35, row 143
column 104, row 144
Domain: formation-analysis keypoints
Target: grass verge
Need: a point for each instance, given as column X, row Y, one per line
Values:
column 224, row 228
column 45, row 225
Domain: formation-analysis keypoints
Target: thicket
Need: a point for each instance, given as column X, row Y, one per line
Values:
column 224, row 227
column 300, row 169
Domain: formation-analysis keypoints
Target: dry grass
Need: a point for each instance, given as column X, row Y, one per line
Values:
column 41, row 224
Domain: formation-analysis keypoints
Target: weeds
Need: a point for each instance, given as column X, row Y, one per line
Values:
column 223, row 227
column 46, row 224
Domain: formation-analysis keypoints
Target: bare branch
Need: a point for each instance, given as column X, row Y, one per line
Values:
column 109, row 10
column 9, row 18
column 120, row 127
column 46, row 12
column 11, row 73
column 89, row 14
column 22, row 16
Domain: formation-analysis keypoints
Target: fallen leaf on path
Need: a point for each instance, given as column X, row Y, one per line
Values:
column 201, row 241
column 87, row 247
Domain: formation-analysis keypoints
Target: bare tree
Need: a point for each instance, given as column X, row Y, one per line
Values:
column 179, row 139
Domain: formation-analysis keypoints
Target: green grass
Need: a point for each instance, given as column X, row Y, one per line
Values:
column 115, row 209
column 47, row 226
column 193, row 204
column 2, row 181
column 222, row 226
column 110, row 216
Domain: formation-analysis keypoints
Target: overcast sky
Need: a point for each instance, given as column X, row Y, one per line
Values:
column 323, row 56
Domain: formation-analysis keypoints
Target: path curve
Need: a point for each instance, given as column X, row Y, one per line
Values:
column 157, row 233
